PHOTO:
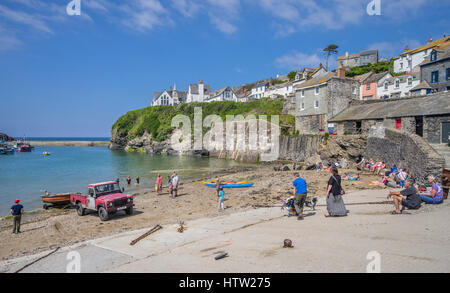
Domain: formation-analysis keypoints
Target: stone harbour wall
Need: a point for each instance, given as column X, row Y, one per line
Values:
column 406, row 150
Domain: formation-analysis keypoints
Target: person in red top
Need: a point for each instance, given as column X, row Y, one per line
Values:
column 159, row 181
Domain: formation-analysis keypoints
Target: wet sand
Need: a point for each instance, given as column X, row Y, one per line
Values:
column 57, row 228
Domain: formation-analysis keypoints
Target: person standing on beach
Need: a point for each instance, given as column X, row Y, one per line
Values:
column 335, row 203
column 175, row 181
column 159, row 184
column 221, row 199
column 129, row 180
column 138, row 180
column 300, row 193
column 218, row 186
column 17, row 212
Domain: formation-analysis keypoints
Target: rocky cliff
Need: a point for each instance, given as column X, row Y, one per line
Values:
column 4, row 137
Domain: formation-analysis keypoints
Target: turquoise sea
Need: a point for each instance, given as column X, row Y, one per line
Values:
column 70, row 169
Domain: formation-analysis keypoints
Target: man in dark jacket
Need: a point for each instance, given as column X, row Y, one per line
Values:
column 16, row 212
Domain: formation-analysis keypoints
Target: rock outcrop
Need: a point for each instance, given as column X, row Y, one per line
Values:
column 4, row 137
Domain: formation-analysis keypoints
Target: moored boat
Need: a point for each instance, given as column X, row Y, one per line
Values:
column 229, row 184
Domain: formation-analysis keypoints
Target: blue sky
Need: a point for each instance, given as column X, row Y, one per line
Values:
column 64, row 75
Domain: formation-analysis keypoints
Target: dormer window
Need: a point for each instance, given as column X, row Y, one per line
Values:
column 368, row 87
column 433, row 56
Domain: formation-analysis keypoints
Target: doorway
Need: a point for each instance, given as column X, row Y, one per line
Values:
column 445, row 132
column 419, row 126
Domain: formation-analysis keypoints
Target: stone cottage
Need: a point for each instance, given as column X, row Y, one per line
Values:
column 428, row 117
column 320, row 98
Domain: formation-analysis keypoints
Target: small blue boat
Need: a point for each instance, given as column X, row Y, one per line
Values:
column 232, row 185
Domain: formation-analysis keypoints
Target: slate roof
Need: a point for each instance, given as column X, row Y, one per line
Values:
column 436, row 104
column 194, row 89
column 423, row 85
column 443, row 53
column 316, row 80
column 375, row 77
column 427, row 46
column 363, row 77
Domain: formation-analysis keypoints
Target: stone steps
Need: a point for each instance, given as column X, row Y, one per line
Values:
column 444, row 150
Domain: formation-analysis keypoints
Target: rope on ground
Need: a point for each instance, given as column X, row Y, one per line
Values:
column 18, row 271
column 153, row 230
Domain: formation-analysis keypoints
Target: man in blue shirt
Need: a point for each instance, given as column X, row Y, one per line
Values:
column 300, row 193
column 16, row 212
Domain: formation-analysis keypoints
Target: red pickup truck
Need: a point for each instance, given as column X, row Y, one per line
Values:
column 106, row 198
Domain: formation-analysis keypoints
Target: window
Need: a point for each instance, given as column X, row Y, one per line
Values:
column 433, row 56
column 317, row 91
column 397, row 83
column 368, row 87
column 303, row 93
column 447, row 74
column 354, row 90
column 316, row 104
column 303, row 106
column 435, row 77
column 386, row 85
column 410, row 80
column 401, row 65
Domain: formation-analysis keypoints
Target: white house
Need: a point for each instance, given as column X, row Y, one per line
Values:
column 224, row 94
column 280, row 90
column 198, row 92
column 398, row 86
column 308, row 73
column 410, row 60
column 171, row 97
column 259, row 90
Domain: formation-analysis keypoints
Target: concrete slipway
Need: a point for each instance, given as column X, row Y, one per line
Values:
column 418, row 241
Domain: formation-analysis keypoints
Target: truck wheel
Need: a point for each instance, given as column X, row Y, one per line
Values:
column 80, row 210
column 129, row 211
column 103, row 214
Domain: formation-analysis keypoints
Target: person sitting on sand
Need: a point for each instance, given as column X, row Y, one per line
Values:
column 335, row 203
column 408, row 198
column 319, row 167
column 381, row 167
column 360, row 165
column 401, row 177
column 437, row 193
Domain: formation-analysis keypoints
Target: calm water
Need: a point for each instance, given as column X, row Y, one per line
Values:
column 69, row 169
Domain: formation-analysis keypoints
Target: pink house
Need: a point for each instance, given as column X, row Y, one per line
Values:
column 369, row 86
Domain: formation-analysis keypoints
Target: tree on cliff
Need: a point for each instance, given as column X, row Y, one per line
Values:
column 330, row 50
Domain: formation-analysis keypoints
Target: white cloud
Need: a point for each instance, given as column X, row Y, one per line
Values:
column 297, row 59
column 8, row 40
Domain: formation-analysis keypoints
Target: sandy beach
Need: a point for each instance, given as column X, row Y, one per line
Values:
column 58, row 228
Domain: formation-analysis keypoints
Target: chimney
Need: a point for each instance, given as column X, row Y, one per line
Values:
column 346, row 54
column 341, row 72
column 406, row 49
column 430, row 40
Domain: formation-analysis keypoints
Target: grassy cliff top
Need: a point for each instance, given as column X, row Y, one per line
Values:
column 157, row 120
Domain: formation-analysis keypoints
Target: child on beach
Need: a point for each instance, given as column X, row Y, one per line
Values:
column 221, row 198
column 170, row 188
